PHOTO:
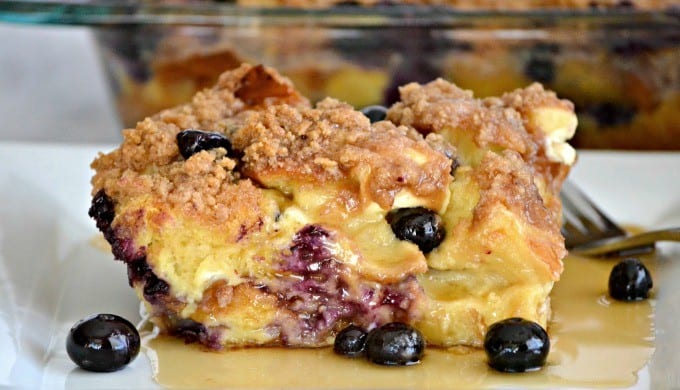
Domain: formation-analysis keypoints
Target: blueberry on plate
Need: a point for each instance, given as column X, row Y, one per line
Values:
column 350, row 342
column 395, row 344
column 103, row 343
column 630, row 280
column 192, row 141
column 516, row 345
column 418, row 225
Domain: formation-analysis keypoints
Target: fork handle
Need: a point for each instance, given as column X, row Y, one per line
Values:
column 620, row 244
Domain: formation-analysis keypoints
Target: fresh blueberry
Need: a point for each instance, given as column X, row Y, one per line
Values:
column 350, row 342
column 630, row 281
column 103, row 343
column 191, row 142
column 375, row 113
column 395, row 344
column 418, row 225
column 516, row 345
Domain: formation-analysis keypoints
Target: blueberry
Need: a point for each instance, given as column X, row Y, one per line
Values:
column 455, row 163
column 190, row 330
column 516, row 345
column 347, row 3
column 191, row 142
column 395, row 344
column 375, row 113
column 155, row 288
column 350, row 342
column 103, row 343
column 418, row 225
column 611, row 114
column 137, row 271
column 630, row 281
column 540, row 65
column 102, row 210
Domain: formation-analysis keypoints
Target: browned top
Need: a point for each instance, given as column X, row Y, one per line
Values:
column 440, row 104
column 505, row 179
column 148, row 160
column 335, row 143
column 492, row 123
column 280, row 139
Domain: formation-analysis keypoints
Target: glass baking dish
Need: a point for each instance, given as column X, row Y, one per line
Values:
column 620, row 67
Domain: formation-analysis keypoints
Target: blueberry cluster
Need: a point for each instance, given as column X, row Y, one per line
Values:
column 393, row 344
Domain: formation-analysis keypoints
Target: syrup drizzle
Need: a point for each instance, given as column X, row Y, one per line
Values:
column 589, row 332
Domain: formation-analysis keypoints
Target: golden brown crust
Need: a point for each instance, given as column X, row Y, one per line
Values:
column 335, row 143
column 525, row 101
column 507, row 180
column 496, row 124
column 148, row 161
column 505, row 144
column 440, row 104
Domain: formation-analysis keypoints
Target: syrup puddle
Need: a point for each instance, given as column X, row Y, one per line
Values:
column 596, row 342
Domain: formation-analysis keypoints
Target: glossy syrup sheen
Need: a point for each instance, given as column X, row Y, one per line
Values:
column 588, row 332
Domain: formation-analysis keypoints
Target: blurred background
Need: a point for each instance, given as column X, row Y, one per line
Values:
column 52, row 87
column 620, row 66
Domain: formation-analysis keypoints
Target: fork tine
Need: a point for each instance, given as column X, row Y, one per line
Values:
column 584, row 221
column 572, row 229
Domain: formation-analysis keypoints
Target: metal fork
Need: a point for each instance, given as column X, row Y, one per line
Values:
column 589, row 231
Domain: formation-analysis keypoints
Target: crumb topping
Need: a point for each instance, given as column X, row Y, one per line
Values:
column 148, row 161
column 514, row 121
column 507, row 180
column 335, row 143
column 283, row 143
column 440, row 105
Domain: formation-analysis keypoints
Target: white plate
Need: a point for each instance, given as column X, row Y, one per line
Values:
column 51, row 275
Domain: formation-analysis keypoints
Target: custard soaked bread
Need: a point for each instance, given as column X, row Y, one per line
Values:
column 249, row 217
column 503, row 248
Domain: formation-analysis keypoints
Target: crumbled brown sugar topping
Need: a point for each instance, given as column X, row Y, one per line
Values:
column 505, row 179
column 289, row 142
column 333, row 142
column 495, row 123
column 492, row 121
column 284, row 143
